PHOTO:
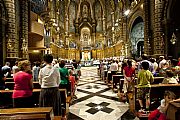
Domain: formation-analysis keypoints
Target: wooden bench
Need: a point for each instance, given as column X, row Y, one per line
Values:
column 173, row 111
column 156, row 94
column 9, row 80
column 10, row 85
column 36, row 85
column 6, row 98
column 157, row 80
column 116, row 79
column 40, row 113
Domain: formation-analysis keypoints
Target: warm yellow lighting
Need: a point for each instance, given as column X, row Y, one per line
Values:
column 127, row 12
column 142, row 6
column 36, row 51
column 40, row 21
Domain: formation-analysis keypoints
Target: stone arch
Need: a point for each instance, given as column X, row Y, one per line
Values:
column 133, row 22
column 133, row 18
column 83, row 5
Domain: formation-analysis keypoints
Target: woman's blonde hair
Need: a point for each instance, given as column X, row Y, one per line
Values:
column 22, row 64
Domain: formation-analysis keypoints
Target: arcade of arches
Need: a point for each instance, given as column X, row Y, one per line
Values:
column 98, row 29
column 87, row 30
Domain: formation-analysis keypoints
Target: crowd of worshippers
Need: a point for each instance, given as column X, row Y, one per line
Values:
column 144, row 70
column 51, row 75
column 167, row 68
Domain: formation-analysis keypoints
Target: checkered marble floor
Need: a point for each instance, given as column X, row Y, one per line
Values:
column 95, row 100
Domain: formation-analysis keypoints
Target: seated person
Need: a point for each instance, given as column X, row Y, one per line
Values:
column 162, row 71
column 160, row 112
column 170, row 79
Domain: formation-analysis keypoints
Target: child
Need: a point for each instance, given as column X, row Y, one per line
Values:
column 73, row 82
column 145, row 78
column 159, row 113
column 170, row 79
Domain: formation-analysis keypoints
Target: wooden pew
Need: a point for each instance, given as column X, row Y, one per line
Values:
column 6, row 98
column 156, row 94
column 9, row 80
column 157, row 80
column 173, row 111
column 10, row 85
column 109, row 77
column 116, row 79
column 40, row 113
column 36, row 85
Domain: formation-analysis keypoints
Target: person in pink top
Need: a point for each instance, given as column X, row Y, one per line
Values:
column 178, row 62
column 129, row 74
column 23, row 86
column 73, row 82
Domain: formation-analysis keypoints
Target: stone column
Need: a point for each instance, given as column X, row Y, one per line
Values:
column 11, row 40
column 158, row 31
column 24, row 28
column 151, row 33
column 66, row 24
column 125, row 35
column 93, row 33
column 104, row 24
column 113, row 24
column 146, row 26
column 2, row 34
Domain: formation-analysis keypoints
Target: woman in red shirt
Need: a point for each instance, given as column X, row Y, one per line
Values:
column 129, row 74
column 23, row 86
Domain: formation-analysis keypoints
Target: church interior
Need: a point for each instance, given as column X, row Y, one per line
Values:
column 90, row 32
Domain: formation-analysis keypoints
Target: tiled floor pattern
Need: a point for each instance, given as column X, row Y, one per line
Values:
column 96, row 101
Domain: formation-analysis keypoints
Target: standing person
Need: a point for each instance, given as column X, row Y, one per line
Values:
column 129, row 74
column 6, row 70
column 155, row 66
column 145, row 59
column 15, row 68
column 23, row 86
column 160, row 112
column 162, row 61
column 178, row 62
column 64, row 76
column 49, row 80
column 113, row 69
column 124, row 64
column 73, row 82
column 145, row 78
column 2, row 80
column 35, row 71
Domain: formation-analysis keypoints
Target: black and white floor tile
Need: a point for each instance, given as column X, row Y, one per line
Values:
column 95, row 100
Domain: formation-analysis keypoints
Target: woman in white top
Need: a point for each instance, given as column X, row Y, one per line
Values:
column 49, row 79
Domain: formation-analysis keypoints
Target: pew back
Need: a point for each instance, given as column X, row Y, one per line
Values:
column 40, row 113
column 6, row 98
column 157, row 94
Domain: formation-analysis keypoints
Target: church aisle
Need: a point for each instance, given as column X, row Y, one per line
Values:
column 95, row 100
